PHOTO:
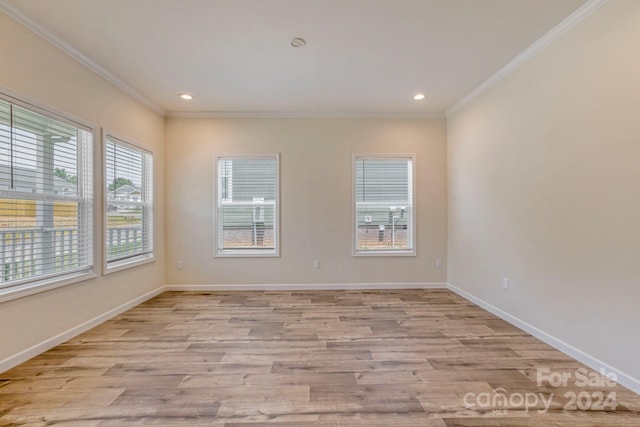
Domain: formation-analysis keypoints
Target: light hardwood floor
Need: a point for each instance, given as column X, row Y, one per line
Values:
column 317, row 358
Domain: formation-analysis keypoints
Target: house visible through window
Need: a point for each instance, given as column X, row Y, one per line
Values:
column 129, row 203
column 247, row 205
column 384, row 205
column 45, row 197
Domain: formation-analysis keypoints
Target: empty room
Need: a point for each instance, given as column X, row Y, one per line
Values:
column 320, row 213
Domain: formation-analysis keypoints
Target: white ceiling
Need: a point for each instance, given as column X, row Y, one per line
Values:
column 361, row 57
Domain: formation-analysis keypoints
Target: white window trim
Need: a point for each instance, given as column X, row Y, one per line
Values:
column 245, row 253
column 354, row 240
column 140, row 259
column 48, row 283
column 19, row 291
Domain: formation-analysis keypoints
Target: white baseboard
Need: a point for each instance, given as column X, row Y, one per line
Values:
column 305, row 287
column 45, row 345
column 40, row 348
column 624, row 379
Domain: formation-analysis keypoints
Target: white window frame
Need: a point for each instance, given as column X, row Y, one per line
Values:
column 354, row 235
column 109, row 267
column 25, row 287
column 246, row 253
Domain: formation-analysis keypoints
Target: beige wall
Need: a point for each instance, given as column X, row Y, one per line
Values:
column 544, row 188
column 315, row 179
column 542, row 174
column 32, row 67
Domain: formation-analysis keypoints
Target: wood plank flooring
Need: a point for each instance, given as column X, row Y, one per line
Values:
column 317, row 358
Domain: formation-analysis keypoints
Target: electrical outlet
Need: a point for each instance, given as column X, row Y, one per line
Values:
column 179, row 265
column 505, row 283
column 439, row 263
column 316, row 263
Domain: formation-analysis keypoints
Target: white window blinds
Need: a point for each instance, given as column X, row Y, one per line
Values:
column 384, row 209
column 247, row 205
column 129, row 203
column 45, row 196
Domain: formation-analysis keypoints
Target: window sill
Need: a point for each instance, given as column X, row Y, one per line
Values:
column 384, row 253
column 19, row 291
column 116, row 266
column 247, row 254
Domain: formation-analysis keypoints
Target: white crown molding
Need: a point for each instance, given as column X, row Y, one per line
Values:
column 296, row 115
column 17, row 15
column 623, row 378
column 569, row 22
column 7, row 7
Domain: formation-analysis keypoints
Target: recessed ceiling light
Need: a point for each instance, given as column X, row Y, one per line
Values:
column 298, row 42
column 419, row 96
column 186, row 96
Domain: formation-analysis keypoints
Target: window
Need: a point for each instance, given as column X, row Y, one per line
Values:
column 247, row 205
column 129, row 204
column 45, row 198
column 384, row 205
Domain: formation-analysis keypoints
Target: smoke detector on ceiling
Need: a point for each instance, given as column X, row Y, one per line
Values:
column 298, row 42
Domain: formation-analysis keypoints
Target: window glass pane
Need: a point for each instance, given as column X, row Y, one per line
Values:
column 44, row 154
column 45, row 196
column 247, row 205
column 384, row 205
column 248, row 227
column 5, row 145
column 129, row 202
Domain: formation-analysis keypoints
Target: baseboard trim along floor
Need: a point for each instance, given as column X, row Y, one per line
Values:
column 48, row 344
column 392, row 357
column 623, row 379
column 305, row 287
